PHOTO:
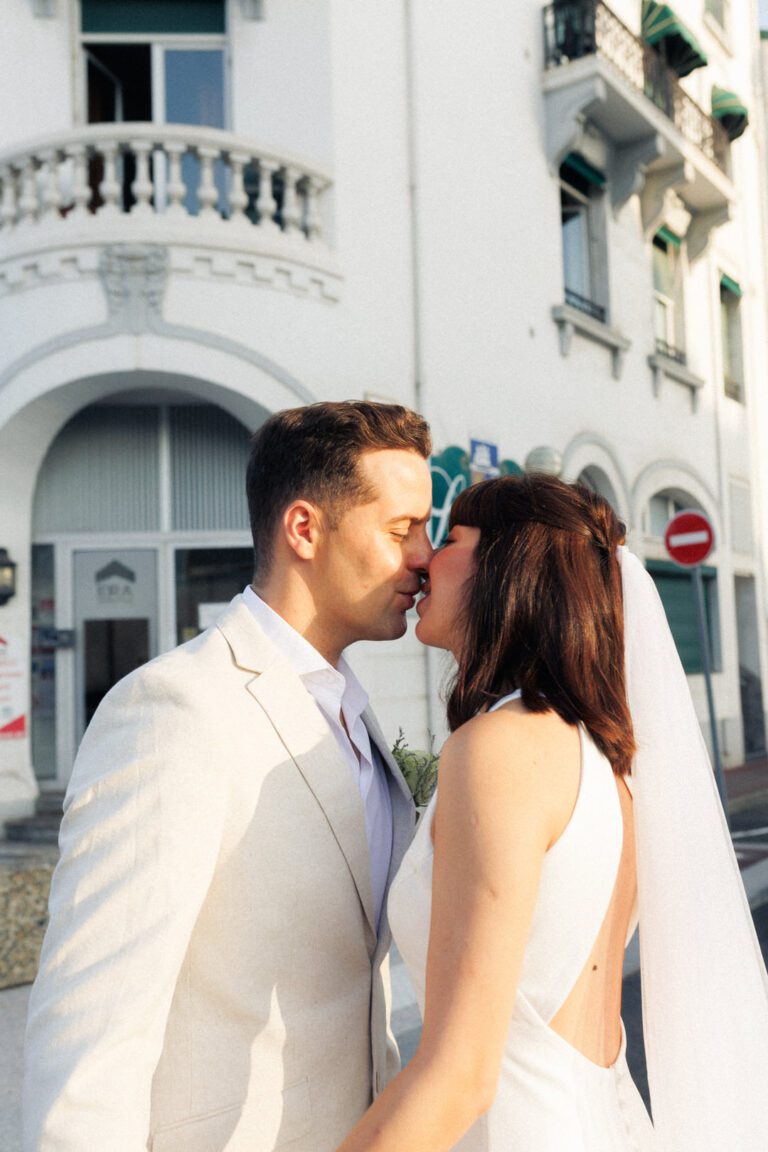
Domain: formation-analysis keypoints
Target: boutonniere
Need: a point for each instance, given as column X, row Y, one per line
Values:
column 418, row 768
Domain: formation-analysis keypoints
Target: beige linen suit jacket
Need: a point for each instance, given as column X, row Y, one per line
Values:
column 211, row 977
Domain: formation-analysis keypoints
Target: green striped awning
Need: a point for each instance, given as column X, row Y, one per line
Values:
column 729, row 110
column 730, row 285
column 584, row 169
column 663, row 29
column 669, row 237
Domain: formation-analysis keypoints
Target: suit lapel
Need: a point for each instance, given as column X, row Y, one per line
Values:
column 309, row 740
column 403, row 814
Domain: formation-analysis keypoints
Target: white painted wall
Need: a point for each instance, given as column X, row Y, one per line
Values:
column 36, row 75
column 328, row 80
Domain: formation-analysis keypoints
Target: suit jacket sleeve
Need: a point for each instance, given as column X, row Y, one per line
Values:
column 139, row 844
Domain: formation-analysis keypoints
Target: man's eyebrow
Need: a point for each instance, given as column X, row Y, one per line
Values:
column 410, row 519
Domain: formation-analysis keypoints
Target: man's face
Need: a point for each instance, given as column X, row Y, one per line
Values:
column 366, row 573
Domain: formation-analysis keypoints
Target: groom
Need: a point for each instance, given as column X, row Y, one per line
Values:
column 212, row 973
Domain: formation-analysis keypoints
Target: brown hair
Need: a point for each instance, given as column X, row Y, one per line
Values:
column 544, row 609
column 312, row 453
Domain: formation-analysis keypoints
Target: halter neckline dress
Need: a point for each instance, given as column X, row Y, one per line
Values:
column 550, row 1096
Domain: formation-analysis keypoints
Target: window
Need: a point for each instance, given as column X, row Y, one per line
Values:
column 661, row 508
column 675, row 588
column 730, row 328
column 206, row 581
column 668, row 296
column 583, row 232
column 159, row 62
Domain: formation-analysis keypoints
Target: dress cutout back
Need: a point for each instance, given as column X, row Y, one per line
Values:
column 551, row 1097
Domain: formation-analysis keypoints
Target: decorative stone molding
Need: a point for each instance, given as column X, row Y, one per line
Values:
column 702, row 223
column 134, row 279
column 570, row 320
column 566, row 109
column 627, row 168
column 653, row 199
column 44, row 8
column 662, row 366
column 263, row 270
column 252, row 9
column 676, row 216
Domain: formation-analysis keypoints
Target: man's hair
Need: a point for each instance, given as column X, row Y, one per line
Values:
column 312, row 453
column 543, row 610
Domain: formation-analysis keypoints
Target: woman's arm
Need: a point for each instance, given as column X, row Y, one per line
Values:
column 508, row 782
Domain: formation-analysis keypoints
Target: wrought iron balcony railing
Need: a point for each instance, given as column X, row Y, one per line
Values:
column 596, row 311
column 177, row 171
column 577, row 28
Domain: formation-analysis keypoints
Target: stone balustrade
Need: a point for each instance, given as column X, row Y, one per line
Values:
column 177, row 171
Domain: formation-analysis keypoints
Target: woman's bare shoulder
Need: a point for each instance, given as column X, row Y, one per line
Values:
column 514, row 728
column 532, row 757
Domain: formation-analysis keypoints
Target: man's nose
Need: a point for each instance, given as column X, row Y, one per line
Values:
column 422, row 553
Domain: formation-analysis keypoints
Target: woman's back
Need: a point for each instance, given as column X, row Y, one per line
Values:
column 564, row 1084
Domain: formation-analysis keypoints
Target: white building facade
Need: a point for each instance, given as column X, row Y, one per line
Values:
column 515, row 218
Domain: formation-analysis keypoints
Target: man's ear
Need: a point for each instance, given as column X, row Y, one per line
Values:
column 302, row 527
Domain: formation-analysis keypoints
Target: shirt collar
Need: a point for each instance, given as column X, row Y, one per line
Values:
column 313, row 669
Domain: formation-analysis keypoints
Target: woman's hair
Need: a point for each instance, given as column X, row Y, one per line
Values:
column 544, row 608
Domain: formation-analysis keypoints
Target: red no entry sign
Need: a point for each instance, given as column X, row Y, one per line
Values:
column 689, row 538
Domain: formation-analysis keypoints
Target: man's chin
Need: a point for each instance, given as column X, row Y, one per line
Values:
column 392, row 629
column 396, row 628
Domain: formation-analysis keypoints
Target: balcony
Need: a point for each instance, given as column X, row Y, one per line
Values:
column 599, row 74
column 212, row 195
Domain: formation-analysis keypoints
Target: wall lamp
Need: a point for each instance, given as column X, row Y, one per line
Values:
column 7, row 577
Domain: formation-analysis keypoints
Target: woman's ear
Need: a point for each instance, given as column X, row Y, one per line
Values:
column 302, row 528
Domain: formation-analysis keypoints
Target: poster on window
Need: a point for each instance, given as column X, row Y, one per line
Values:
column 13, row 717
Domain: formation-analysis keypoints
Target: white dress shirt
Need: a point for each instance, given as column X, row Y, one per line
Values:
column 337, row 692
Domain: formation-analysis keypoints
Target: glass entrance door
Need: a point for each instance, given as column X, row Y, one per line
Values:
column 115, row 621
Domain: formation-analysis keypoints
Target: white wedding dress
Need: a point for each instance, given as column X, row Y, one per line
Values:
column 550, row 1097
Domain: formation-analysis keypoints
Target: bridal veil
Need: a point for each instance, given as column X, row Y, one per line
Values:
column 704, row 986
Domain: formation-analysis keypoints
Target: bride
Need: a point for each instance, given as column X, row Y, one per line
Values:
column 575, row 798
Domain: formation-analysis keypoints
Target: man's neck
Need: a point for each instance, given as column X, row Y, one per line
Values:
column 302, row 617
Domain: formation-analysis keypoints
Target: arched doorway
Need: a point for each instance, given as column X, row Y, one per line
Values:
column 140, row 536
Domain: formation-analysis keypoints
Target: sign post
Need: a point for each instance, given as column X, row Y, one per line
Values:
column 689, row 538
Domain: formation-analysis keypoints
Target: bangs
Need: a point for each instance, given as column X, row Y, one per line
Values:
column 487, row 505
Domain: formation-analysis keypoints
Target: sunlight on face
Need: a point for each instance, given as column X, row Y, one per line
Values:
column 368, row 569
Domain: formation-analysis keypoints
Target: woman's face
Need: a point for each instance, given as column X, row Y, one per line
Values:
column 445, row 589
